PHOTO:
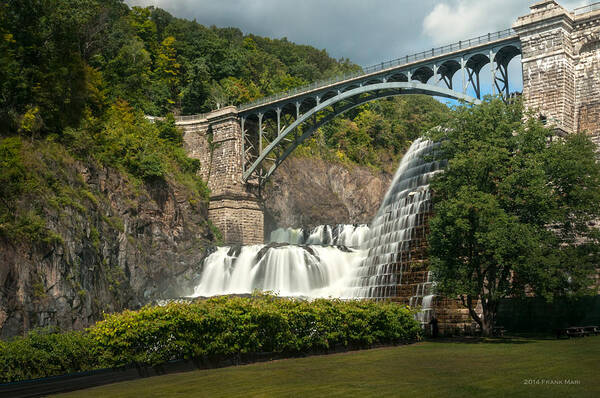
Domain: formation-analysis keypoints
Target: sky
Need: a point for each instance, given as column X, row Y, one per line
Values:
column 365, row 31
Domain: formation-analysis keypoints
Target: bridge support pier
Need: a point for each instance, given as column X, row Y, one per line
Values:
column 235, row 207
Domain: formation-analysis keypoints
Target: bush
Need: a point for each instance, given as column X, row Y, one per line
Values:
column 46, row 353
column 224, row 327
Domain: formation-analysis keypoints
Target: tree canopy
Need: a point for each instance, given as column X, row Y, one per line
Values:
column 63, row 62
column 514, row 210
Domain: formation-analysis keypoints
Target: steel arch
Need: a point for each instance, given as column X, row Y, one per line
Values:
column 379, row 90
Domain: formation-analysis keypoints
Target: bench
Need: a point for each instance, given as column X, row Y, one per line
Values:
column 591, row 330
column 574, row 331
column 498, row 331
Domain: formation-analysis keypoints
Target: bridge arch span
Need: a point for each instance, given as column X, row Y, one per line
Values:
column 276, row 138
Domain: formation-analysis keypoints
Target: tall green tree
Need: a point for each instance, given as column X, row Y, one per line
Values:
column 513, row 210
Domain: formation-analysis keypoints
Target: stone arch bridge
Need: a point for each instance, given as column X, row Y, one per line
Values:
column 241, row 147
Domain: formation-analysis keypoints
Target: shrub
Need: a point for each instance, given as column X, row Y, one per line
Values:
column 224, row 327
column 228, row 326
column 46, row 353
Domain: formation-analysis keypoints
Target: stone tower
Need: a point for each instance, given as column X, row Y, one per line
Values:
column 235, row 207
column 561, row 65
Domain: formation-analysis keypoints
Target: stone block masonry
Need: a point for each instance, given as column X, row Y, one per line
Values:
column 586, row 43
column 234, row 207
column 561, row 66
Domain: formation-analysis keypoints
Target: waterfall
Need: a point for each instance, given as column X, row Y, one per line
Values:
column 297, row 262
column 337, row 235
column 288, row 270
column 346, row 261
column 395, row 240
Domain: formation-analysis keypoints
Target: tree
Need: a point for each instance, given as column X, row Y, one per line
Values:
column 130, row 75
column 166, row 74
column 513, row 210
column 196, row 92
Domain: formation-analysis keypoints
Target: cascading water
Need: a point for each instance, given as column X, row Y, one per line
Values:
column 395, row 240
column 338, row 235
column 346, row 261
column 316, row 263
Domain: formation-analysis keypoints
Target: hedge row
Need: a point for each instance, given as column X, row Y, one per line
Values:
column 223, row 327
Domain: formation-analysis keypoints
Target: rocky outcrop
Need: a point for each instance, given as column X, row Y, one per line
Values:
column 124, row 246
column 306, row 192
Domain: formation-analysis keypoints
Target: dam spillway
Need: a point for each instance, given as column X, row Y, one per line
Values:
column 396, row 242
column 386, row 261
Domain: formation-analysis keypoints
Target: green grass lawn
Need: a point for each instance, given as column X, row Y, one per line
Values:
column 494, row 368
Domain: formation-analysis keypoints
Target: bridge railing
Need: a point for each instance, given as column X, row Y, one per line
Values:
column 463, row 44
column 586, row 9
column 189, row 118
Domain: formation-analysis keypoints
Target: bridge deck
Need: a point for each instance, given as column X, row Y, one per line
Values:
column 405, row 62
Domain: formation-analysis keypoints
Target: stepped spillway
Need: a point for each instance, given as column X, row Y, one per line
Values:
column 384, row 261
column 394, row 267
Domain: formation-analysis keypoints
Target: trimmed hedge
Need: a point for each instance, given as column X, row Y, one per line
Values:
column 224, row 327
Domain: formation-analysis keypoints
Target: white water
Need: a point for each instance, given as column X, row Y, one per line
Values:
column 396, row 226
column 343, row 261
column 309, row 271
column 339, row 235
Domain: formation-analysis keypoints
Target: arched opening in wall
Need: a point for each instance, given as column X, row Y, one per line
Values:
column 477, row 76
column 515, row 75
column 485, row 82
column 397, row 77
column 447, row 73
column 423, row 74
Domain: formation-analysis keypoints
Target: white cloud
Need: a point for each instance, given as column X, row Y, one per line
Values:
column 458, row 20
column 455, row 20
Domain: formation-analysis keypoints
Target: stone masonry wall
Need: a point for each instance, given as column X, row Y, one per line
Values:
column 561, row 66
column 196, row 144
column 226, row 165
column 240, row 220
column 234, row 209
column 548, row 65
column 586, row 40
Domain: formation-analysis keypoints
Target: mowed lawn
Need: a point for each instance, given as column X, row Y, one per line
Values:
column 504, row 367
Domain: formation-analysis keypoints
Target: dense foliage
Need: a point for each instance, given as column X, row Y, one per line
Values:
column 77, row 77
column 66, row 63
column 377, row 134
column 40, row 181
column 59, row 58
column 44, row 353
column 514, row 209
column 225, row 327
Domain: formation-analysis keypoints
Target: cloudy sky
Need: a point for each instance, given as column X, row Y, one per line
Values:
column 366, row 31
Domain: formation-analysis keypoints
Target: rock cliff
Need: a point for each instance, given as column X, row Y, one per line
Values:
column 308, row 191
column 119, row 243
column 125, row 245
